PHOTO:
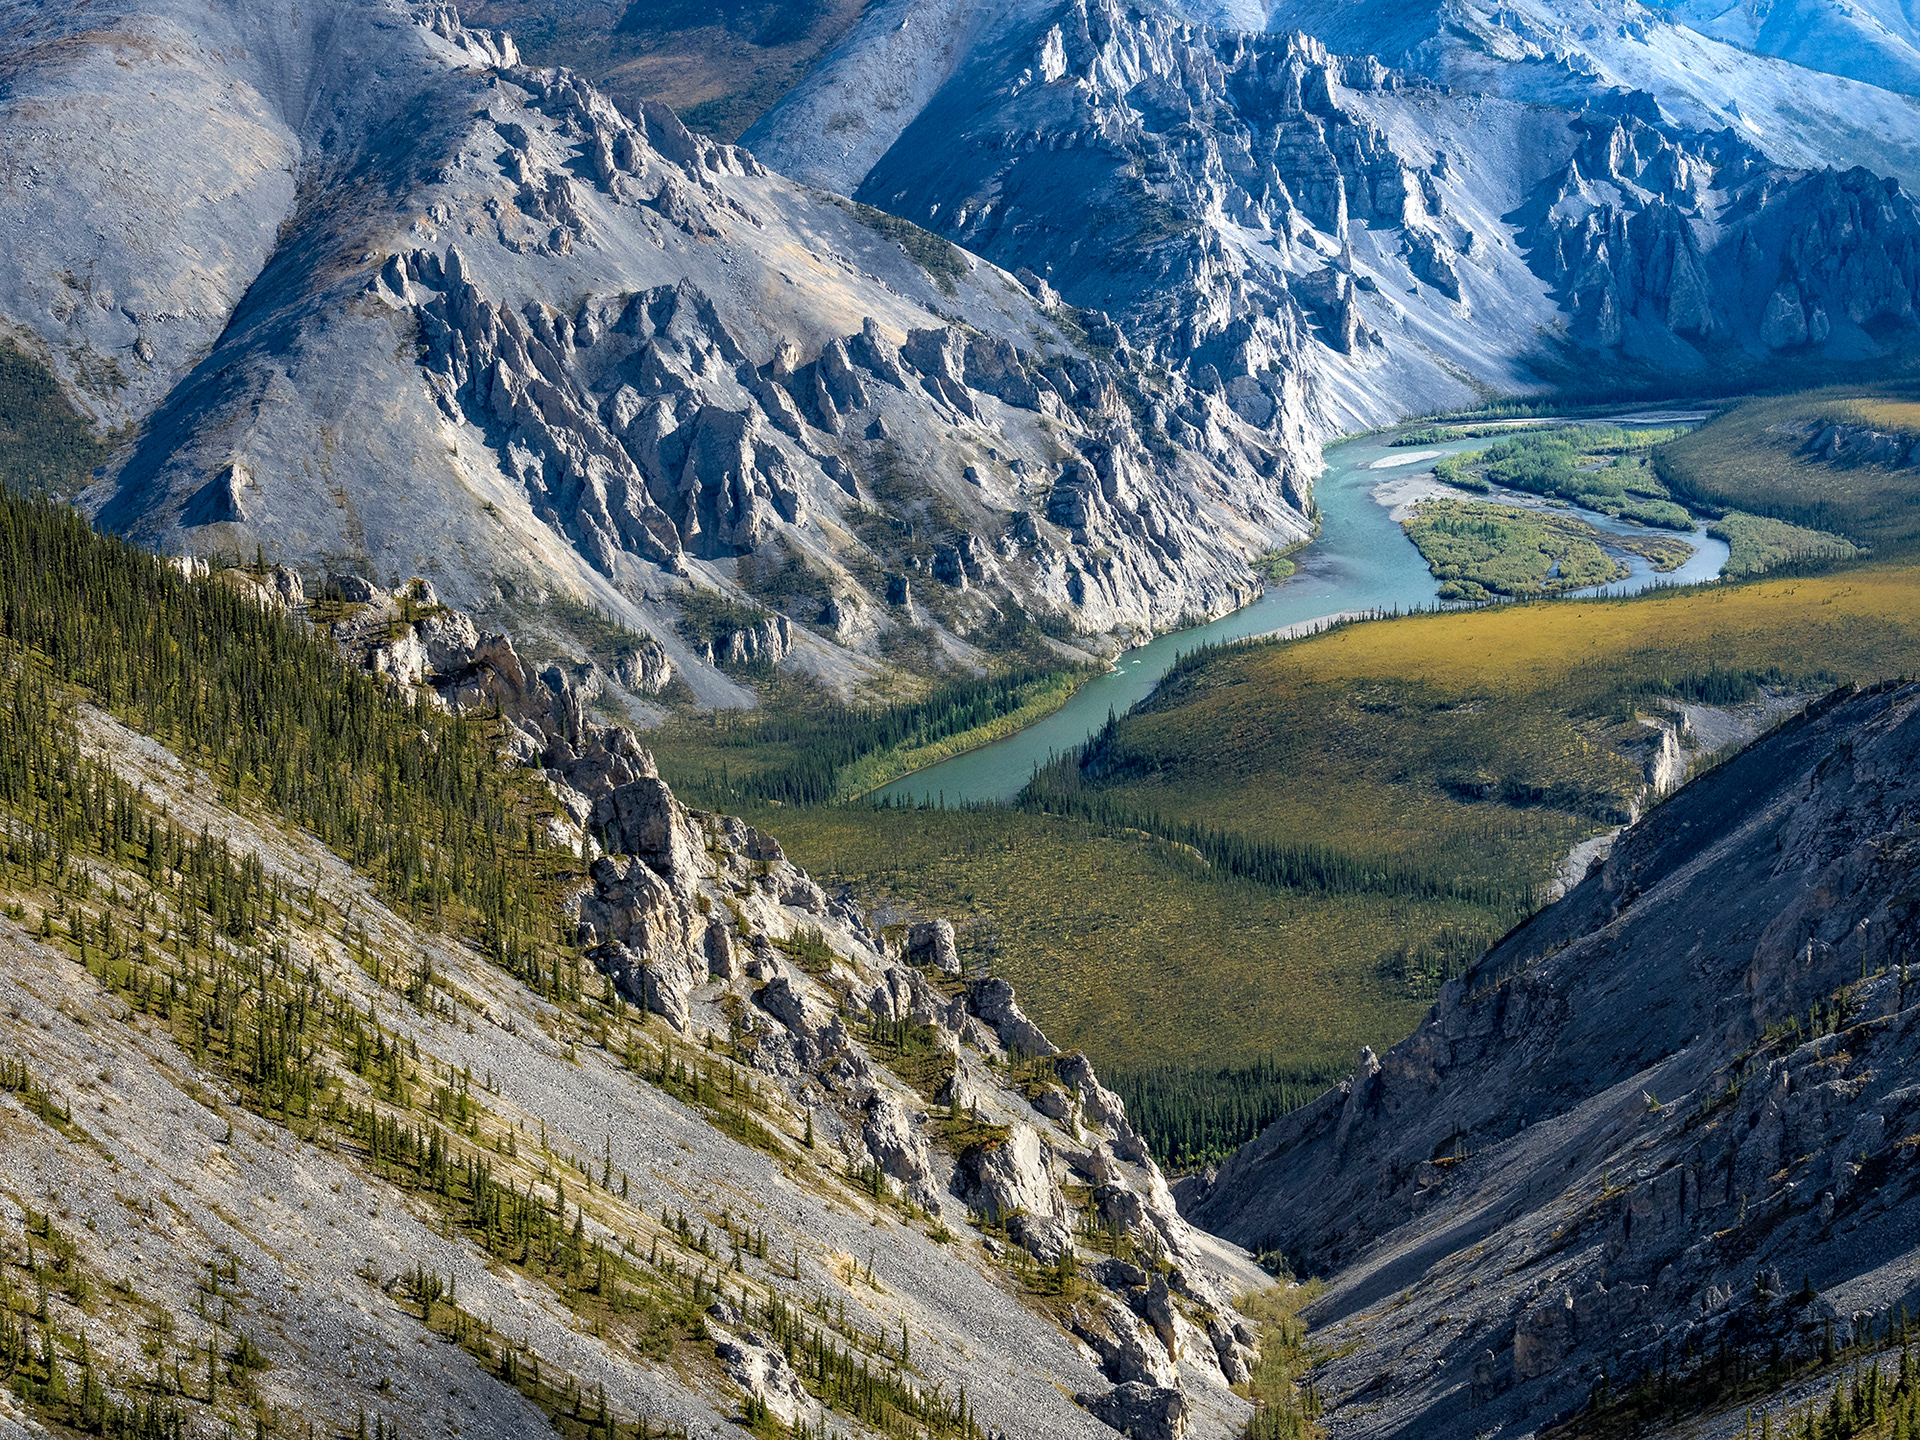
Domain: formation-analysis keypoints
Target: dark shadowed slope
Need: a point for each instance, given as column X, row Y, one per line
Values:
column 1604, row 1146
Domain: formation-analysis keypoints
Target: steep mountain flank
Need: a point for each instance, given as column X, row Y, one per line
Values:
column 618, row 362
column 610, row 357
column 1569, row 53
column 1608, row 1144
column 603, row 1092
column 1875, row 43
column 1294, row 220
column 1659, row 241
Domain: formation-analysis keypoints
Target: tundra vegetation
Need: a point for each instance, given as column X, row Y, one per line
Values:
column 1480, row 551
column 1284, row 852
column 1765, row 458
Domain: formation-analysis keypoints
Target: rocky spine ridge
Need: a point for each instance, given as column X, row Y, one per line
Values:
column 702, row 920
column 1639, row 1112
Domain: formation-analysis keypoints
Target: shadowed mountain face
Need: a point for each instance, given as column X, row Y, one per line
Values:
column 1614, row 1136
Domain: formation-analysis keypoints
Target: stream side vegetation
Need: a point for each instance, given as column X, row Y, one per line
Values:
column 806, row 749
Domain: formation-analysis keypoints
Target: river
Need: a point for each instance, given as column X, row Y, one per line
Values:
column 1360, row 561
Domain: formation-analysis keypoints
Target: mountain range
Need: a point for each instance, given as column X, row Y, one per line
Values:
column 1007, row 321
column 990, row 333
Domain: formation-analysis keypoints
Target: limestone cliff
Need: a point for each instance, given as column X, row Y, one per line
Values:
column 1610, row 1141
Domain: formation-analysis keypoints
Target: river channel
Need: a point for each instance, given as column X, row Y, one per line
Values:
column 1360, row 561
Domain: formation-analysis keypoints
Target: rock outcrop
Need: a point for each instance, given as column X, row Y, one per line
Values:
column 620, row 379
column 703, row 921
column 682, row 893
column 1664, row 242
column 1618, row 1130
column 1140, row 1411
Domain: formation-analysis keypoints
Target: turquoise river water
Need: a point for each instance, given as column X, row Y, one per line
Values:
column 1360, row 561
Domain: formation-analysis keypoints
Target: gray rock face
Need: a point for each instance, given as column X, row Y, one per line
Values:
column 766, row 643
column 931, row 943
column 1664, row 242
column 1567, row 53
column 276, row 586
column 1013, row 1182
column 690, row 915
column 1140, row 1412
column 905, row 995
column 613, row 380
column 646, row 669
column 900, row 1151
column 1100, row 1106
column 1674, row 1082
column 651, row 940
column 1129, row 1352
column 758, row 1366
column 993, row 1001
column 1147, row 256
column 1388, row 204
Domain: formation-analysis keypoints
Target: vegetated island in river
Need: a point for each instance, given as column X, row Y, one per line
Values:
column 1603, row 468
column 1478, row 549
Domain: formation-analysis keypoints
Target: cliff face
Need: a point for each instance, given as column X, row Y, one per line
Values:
column 1330, row 241
column 1702, row 70
column 1259, row 205
column 1658, row 241
column 613, row 360
column 1609, row 1143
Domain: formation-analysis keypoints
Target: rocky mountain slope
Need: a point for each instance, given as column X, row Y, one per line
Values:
column 609, row 357
column 619, row 363
column 282, row 1142
column 1663, row 1126
column 1263, row 193
column 1567, row 54
column 1875, row 43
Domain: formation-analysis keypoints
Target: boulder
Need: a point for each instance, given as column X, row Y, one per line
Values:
column 765, row 642
column 1101, row 1107
column 1140, row 1412
column 872, row 350
column 805, row 1016
column 1236, row 1360
column 644, row 669
column 993, row 1001
column 1543, row 1335
column 931, row 943
column 449, row 639
column 757, row 1366
column 642, row 818
column 948, row 569
column 350, row 588
column 645, row 935
column 1128, row 1351
column 905, row 995
column 900, row 1150
column 1011, row 1181
column 1784, row 324
column 403, row 660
